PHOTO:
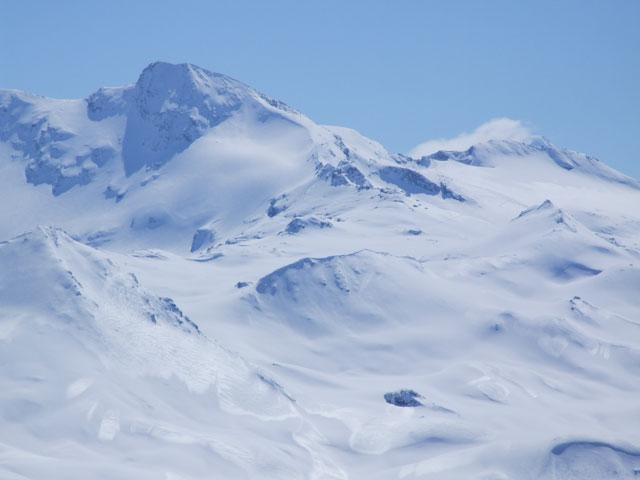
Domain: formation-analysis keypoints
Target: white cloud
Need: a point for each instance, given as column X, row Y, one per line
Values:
column 495, row 129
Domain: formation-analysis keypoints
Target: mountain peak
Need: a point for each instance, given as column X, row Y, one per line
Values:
column 168, row 69
column 486, row 153
column 182, row 77
column 174, row 104
column 546, row 206
column 550, row 215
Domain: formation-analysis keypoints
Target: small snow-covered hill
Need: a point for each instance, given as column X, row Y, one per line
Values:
column 227, row 289
column 95, row 369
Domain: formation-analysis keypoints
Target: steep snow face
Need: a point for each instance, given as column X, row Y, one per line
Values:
column 172, row 106
column 245, row 292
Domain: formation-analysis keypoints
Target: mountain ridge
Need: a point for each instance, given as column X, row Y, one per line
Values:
column 227, row 288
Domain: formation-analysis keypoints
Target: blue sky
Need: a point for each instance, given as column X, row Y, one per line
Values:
column 401, row 71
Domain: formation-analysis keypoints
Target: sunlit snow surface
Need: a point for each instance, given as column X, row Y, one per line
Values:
column 197, row 281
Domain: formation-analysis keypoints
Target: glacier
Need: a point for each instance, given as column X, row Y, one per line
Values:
column 199, row 281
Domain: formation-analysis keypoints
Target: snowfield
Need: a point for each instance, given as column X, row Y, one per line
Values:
column 198, row 281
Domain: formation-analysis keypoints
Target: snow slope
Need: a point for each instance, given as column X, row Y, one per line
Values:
column 230, row 290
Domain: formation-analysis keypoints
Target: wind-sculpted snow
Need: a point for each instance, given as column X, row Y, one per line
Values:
column 246, row 294
column 591, row 460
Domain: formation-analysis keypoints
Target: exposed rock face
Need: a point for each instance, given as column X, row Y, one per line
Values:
column 409, row 181
column 173, row 105
column 403, row 398
column 202, row 239
column 298, row 224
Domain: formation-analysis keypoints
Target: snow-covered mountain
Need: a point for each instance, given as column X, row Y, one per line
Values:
column 198, row 281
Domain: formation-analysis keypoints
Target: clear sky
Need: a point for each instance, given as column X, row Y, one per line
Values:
column 401, row 71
